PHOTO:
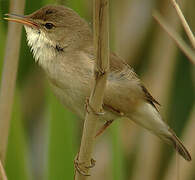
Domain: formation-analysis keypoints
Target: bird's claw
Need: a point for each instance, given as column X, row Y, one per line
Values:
column 93, row 161
column 81, row 168
column 88, row 106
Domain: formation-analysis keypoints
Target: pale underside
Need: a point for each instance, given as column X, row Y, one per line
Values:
column 70, row 73
column 66, row 54
column 72, row 82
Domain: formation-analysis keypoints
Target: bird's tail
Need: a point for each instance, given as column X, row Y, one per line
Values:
column 148, row 117
column 173, row 140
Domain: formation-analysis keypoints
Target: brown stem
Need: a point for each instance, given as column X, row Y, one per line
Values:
column 9, row 75
column 101, row 67
column 176, row 37
column 2, row 172
column 184, row 23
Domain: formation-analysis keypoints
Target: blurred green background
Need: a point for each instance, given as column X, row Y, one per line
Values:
column 44, row 137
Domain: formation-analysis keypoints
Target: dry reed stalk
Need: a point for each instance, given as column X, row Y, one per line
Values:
column 2, row 172
column 176, row 37
column 9, row 75
column 127, row 39
column 162, row 60
column 184, row 23
column 101, row 67
column 186, row 169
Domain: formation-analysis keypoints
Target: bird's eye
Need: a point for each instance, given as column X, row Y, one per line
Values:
column 49, row 25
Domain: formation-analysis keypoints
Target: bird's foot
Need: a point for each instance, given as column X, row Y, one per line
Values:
column 100, row 72
column 81, row 168
column 89, row 108
column 104, row 127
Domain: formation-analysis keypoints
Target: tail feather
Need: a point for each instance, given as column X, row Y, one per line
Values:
column 179, row 147
column 148, row 117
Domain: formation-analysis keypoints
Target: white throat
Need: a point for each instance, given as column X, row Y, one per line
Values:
column 41, row 46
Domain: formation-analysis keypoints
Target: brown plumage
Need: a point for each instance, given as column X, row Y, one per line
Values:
column 62, row 44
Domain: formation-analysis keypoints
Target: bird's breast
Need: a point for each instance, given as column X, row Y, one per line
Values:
column 71, row 81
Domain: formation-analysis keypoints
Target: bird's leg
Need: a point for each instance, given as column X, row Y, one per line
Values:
column 113, row 110
column 104, row 127
column 81, row 168
column 89, row 108
column 107, row 123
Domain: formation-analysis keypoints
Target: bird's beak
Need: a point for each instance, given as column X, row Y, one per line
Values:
column 20, row 19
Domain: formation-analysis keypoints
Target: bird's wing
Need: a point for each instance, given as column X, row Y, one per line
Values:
column 149, row 97
column 123, row 77
column 118, row 65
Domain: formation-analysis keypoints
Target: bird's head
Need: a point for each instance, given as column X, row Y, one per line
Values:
column 56, row 27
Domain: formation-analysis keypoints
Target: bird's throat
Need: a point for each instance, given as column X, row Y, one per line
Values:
column 42, row 48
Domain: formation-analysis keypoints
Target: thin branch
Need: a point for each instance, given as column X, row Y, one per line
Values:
column 184, row 23
column 176, row 37
column 101, row 67
column 2, row 172
column 9, row 75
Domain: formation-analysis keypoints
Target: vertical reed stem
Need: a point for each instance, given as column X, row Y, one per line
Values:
column 101, row 67
column 9, row 75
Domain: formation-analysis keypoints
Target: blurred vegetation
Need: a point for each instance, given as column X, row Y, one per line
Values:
column 44, row 137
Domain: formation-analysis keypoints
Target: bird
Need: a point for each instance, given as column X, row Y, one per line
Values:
column 62, row 45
